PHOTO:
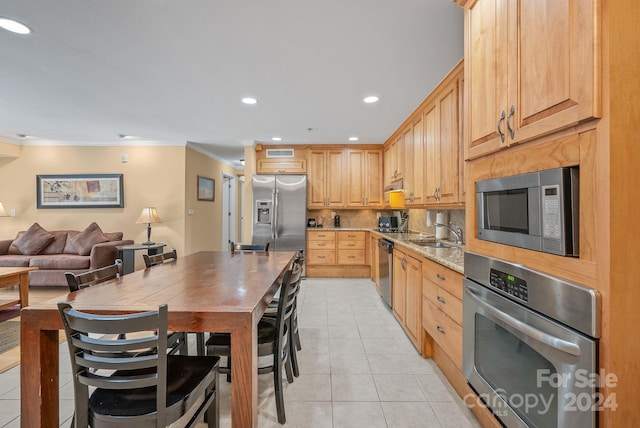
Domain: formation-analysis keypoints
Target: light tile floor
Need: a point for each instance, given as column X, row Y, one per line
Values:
column 357, row 369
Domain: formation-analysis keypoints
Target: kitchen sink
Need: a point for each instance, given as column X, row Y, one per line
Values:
column 432, row 244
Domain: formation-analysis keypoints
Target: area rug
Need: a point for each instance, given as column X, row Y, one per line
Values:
column 9, row 335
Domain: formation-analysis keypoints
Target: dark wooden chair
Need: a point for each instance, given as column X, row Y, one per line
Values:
column 76, row 281
column 237, row 246
column 294, row 335
column 136, row 383
column 273, row 340
column 158, row 259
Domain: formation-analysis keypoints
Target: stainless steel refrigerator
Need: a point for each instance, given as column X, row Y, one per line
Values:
column 279, row 211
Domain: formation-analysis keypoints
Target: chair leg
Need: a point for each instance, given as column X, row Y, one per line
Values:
column 277, row 380
column 229, row 367
column 294, row 358
column 200, row 343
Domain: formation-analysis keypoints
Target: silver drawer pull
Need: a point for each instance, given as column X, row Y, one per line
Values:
column 441, row 300
column 440, row 277
column 440, row 330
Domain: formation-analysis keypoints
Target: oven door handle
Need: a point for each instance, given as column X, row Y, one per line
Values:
column 540, row 336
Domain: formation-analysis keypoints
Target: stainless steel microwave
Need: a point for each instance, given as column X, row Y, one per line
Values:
column 538, row 210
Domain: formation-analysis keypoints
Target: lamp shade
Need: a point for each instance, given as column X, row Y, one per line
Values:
column 3, row 212
column 396, row 199
column 149, row 215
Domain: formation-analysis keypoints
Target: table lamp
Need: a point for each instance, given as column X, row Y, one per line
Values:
column 149, row 215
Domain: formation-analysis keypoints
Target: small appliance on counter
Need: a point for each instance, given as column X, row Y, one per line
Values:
column 387, row 223
column 336, row 221
column 311, row 222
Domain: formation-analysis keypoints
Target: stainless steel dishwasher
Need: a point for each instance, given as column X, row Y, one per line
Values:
column 385, row 269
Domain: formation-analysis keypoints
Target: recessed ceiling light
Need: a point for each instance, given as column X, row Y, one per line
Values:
column 14, row 26
column 21, row 135
column 371, row 99
column 276, row 138
column 249, row 100
column 353, row 138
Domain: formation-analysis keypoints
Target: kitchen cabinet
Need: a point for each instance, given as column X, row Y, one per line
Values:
column 442, row 142
column 532, row 68
column 326, row 178
column 321, row 248
column 442, row 308
column 296, row 163
column 394, row 160
column 337, row 253
column 407, row 295
column 364, row 178
column 374, row 254
column 413, row 161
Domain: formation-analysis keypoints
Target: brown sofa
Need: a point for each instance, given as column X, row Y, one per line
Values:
column 60, row 251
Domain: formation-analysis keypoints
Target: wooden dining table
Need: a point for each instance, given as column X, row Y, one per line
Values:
column 205, row 291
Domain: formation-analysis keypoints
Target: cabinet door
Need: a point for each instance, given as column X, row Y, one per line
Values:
column 413, row 308
column 448, row 146
column 335, row 178
column 552, row 63
column 399, row 293
column 486, row 75
column 355, row 178
column 407, row 145
column 417, row 139
column 316, row 192
column 431, row 161
column 373, row 178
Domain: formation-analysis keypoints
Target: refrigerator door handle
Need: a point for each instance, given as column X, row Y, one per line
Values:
column 276, row 197
column 273, row 214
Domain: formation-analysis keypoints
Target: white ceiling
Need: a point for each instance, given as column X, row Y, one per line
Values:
column 171, row 72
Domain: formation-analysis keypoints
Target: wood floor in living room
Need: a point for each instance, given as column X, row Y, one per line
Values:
column 357, row 369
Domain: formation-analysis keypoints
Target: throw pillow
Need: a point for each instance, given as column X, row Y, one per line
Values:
column 83, row 242
column 33, row 240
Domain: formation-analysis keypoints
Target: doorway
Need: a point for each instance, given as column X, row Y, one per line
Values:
column 229, row 210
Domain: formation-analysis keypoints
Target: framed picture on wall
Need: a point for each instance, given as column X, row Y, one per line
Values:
column 206, row 188
column 80, row 191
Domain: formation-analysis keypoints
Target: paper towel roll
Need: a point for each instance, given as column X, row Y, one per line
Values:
column 442, row 218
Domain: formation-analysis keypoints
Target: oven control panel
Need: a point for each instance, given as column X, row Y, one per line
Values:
column 512, row 285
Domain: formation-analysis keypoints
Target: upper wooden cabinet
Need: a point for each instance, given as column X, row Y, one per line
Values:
column 413, row 138
column 364, row 178
column 326, row 178
column 285, row 160
column 531, row 70
column 394, row 160
column 443, row 142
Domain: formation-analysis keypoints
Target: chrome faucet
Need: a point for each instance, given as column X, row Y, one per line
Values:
column 457, row 232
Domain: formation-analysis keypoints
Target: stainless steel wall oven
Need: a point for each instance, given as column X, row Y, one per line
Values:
column 530, row 344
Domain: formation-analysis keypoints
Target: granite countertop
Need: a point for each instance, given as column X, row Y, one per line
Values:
column 453, row 258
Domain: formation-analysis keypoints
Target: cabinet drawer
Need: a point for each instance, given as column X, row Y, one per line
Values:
column 351, row 257
column 281, row 166
column 321, row 236
column 322, row 257
column 351, row 245
column 446, row 278
column 321, row 245
column 444, row 330
column 351, row 236
column 450, row 305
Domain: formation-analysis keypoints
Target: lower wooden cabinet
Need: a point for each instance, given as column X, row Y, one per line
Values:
column 337, row 254
column 407, row 293
column 442, row 308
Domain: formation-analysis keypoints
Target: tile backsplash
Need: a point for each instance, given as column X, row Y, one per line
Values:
column 369, row 218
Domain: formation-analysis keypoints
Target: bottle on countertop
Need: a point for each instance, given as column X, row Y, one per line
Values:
column 336, row 221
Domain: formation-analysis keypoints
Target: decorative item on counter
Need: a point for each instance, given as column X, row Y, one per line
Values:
column 336, row 221
column 320, row 221
column 442, row 217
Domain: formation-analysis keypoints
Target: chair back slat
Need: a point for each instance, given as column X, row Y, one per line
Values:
column 158, row 259
column 77, row 281
column 103, row 361
column 238, row 246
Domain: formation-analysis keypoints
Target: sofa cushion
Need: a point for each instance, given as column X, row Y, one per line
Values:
column 15, row 260
column 33, row 240
column 83, row 242
column 114, row 236
column 57, row 245
column 60, row 262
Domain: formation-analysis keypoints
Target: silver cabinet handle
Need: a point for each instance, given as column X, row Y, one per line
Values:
column 440, row 277
column 502, row 116
column 441, row 300
column 440, row 330
column 512, row 111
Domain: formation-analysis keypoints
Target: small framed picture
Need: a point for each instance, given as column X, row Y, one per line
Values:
column 206, row 188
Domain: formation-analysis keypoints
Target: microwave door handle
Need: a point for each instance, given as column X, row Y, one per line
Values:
column 540, row 336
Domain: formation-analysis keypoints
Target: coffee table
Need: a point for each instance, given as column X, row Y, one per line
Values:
column 19, row 276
